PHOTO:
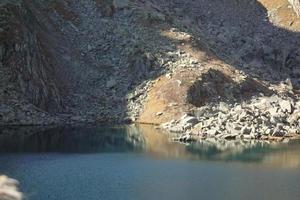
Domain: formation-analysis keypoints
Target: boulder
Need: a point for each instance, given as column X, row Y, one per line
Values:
column 111, row 83
column 186, row 119
column 223, row 107
column 285, row 106
column 294, row 118
column 212, row 132
column 8, row 189
column 120, row 4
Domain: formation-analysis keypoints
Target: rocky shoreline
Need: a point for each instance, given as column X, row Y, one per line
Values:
column 262, row 118
column 223, row 70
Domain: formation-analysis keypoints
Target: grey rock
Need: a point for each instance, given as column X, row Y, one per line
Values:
column 294, row 118
column 186, row 119
column 111, row 83
column 229, row 136
column 186, row 138
column 202, row 112
column 176, row 129
column 279, row 131
column 246, row 130
column 9, row 189
column 247, row 137
column 223, row 107
column 268, row 132
column 212, row 132
column 285, row 106
column 121, row 4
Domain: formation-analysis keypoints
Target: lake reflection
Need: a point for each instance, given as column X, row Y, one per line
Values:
column 145, row 139
column 142, row 163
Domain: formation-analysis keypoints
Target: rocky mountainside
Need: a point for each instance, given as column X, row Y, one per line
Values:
column 64, row 61
column 147, row 61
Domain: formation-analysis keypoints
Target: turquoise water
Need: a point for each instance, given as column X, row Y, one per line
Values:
column 123, row 163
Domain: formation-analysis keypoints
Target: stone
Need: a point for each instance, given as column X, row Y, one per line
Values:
column 186, row 119
column 246, row 130
column 229, row 136
column 212, row 132
column 285, row 106
column 268, row 132
column 176, row 129
column 8, row 189
column 279, row 131
column 200, row 112
column 156, row 16
column 247, row 137
column 251, row 127
column 77, row 118
column 169, row 75
column 274, row 111
column 121, row 4
column 187, row 126
column 294, row 118
column 128, row 120
column 159, row 113
column 186, row 138
column 223, row 107
column 111, row 83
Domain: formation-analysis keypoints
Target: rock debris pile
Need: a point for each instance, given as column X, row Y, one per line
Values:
column 260, row 118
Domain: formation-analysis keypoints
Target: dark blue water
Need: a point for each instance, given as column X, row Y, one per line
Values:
column 141, row 163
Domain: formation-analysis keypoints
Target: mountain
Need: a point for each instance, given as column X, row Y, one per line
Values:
column 147, row 61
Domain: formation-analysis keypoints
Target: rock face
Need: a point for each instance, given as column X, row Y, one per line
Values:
column 153, row 61
column 8, row 189
column 296, row 6
column 32, row 77
column 50, row 68
column 25, row 58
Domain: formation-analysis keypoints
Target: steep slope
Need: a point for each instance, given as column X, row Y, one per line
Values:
column 79, row 61
column 235, row 57
column 28, row 73
column 151, row 61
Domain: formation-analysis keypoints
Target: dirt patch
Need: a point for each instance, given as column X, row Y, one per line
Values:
column 281, row 13
column 165, row 101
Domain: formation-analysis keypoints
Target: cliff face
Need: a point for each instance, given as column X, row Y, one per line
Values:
column 114, row 60
column 26, row 57
column 66, row 61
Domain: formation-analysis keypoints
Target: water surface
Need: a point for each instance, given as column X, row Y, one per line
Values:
column 129, row 162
